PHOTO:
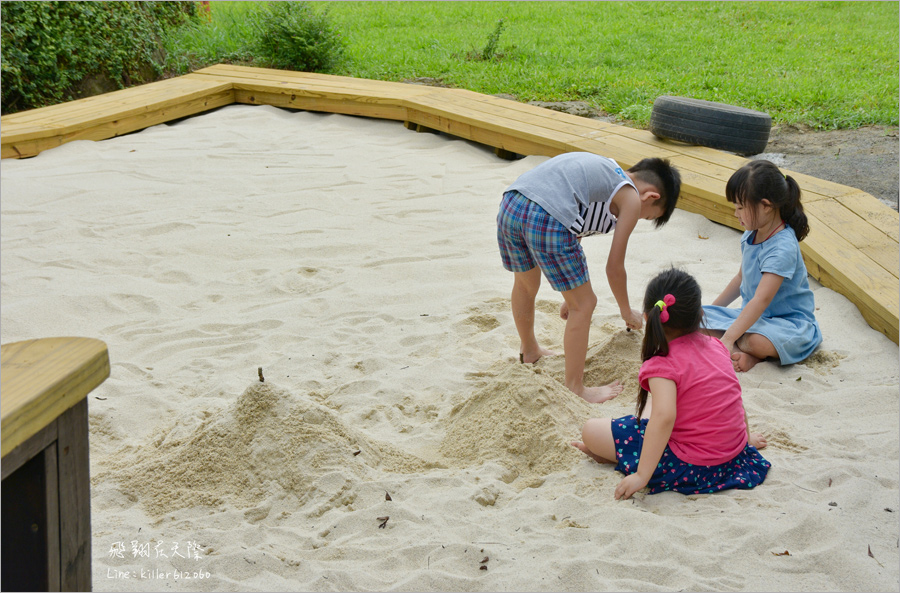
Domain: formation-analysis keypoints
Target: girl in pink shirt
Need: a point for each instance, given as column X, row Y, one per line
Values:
column 696, row 440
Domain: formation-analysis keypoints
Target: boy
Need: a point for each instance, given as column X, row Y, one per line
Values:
column 543, row 216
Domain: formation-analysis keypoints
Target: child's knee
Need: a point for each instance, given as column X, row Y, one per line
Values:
column 596, row 434
column 757, row 345
column 583, row 300
column 594, row 429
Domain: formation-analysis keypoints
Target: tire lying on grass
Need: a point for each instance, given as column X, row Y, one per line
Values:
column 716, row 125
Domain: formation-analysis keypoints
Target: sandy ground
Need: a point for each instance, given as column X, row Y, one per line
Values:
column 395, row 443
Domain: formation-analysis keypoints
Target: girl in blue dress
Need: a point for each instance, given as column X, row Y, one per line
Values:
column 776, row 318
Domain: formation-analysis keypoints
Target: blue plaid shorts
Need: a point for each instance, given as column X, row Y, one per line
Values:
column 528, row 236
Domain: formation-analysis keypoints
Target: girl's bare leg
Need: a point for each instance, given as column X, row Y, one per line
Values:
column 751, row 349
column 748, row 350
column 597, row 440
column 525, row 289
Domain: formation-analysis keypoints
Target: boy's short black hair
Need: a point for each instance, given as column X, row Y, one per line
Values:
column 664, row 177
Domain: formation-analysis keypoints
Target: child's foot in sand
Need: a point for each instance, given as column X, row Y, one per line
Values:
column 743, row 362
column 533, row 357
column 583, row 448
column 757, row 440
column 598, row 395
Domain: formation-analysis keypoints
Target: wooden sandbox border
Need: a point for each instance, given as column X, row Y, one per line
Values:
column 852, row 246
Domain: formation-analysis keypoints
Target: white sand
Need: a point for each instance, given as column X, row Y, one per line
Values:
column 355, row 261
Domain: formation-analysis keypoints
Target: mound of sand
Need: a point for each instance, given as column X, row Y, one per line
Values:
column 521, row 418
column 267, row 440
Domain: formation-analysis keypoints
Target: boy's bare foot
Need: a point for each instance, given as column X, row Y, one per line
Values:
column 598, row 395
column 757, row 440
column 743, row 362
column 533, row 357
column 583, row 448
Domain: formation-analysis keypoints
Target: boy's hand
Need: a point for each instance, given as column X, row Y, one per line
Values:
column 633, row 319
column 564, row 310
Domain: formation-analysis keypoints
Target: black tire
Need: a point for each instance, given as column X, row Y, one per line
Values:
column 716, row 125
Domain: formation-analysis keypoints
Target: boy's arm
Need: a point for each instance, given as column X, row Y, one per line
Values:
column 629, row 206
column 731, row 292
column 656, row 436
column 765, row 292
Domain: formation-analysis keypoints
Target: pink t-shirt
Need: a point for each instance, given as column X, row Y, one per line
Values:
column 709, row 424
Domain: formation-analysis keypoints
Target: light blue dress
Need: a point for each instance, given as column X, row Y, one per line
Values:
column 789, row 321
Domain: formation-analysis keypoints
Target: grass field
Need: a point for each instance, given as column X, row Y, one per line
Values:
column 823, row 64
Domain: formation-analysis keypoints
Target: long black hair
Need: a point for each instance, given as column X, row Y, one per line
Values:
column 684, row 315
column 762, row 180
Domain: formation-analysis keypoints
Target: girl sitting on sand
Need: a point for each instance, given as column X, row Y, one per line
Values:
column 776, row 318
column 696, row 438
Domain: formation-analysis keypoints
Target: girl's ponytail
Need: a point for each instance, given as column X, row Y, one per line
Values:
column 655, row 344
column 792, row 210
column 672, row 301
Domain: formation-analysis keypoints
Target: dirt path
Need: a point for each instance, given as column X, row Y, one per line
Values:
column 866, row 158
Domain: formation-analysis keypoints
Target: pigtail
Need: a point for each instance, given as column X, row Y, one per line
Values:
column 655, row 344
column 672, row 300
column 792, row 210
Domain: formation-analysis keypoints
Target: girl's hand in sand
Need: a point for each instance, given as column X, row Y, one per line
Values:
column 629, row 486
column 757, row 440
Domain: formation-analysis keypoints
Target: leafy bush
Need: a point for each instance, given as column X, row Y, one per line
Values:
column 51, row 50
column 292, row 36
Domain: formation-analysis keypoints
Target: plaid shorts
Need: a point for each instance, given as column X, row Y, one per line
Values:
column 528, row 236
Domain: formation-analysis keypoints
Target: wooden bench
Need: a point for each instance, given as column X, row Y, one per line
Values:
column 852, row 246
column 46, row 511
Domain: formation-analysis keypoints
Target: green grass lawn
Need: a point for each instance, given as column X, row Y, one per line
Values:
column 823, row 64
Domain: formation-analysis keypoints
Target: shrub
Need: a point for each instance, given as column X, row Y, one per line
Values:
column 52, row 50
column 292, row 36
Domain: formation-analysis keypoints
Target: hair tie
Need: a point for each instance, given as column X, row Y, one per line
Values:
column 667, row 301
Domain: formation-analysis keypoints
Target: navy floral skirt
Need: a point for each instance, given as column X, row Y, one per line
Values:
column 746, row 470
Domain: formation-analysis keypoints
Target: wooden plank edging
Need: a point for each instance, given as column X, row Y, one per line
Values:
column 43, row 378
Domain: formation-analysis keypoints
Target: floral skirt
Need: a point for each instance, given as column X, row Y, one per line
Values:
column 746, row 470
